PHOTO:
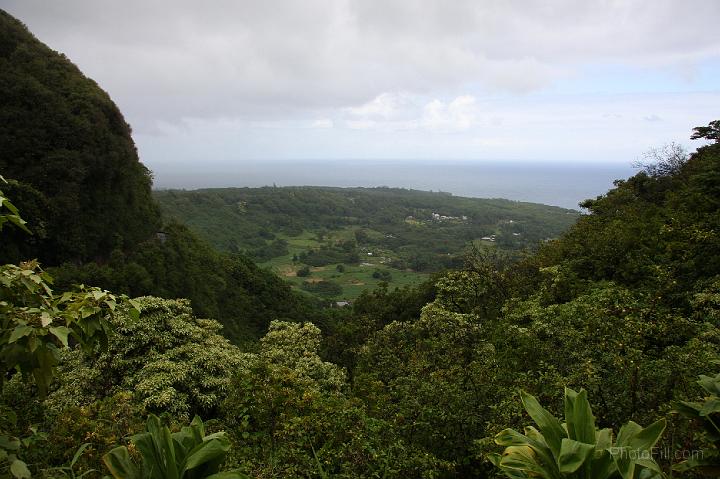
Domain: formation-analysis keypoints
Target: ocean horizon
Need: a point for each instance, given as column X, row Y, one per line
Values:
column 557, row 184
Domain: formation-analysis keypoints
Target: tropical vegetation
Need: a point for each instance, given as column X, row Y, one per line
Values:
column 107, row 370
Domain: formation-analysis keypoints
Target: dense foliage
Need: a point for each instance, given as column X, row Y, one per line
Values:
column 186, row 454
column 398, row 221
column 73, row 171
column 77, row 178
column 353, row 239
column 405, row 382
column 227, row 287
column 249, row 218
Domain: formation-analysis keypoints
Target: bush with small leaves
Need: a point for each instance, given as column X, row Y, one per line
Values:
column 171, row 360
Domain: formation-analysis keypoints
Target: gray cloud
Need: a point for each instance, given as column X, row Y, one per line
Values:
column 259, row 60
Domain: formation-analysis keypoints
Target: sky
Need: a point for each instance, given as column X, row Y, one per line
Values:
column 232, row 81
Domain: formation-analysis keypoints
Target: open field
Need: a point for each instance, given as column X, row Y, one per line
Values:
column 354, row 279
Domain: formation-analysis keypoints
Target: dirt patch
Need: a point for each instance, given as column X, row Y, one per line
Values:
column 315, row 269
column 287, row 271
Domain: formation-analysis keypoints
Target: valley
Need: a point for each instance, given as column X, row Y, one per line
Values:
column 335, row 243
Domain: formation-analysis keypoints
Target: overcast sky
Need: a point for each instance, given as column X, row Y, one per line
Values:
column 226, row 81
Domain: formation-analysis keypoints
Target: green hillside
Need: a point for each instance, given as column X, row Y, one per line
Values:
column 338, row 242
column 595, row 356
column 73, row 171
column 67, row 149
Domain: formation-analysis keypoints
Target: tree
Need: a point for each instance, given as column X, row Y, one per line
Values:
column 710, row 132
column 171, row 360
column 289, row 415
column 35, row 325
column 424, row 377
column 664, row 161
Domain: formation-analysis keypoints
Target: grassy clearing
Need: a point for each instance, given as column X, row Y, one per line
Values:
column 354, row 279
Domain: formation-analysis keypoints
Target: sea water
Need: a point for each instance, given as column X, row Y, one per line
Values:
column 559, row 184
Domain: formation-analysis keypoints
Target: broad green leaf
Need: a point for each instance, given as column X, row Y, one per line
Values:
column 602, row 466
column 573, row 455
column 20, row 332
column 627, row 432
column 510, row 437
column 9, row 443
column 62, row 333
column 710, row 384
column 120, row 465
column 688, row 409
column 19, row 469
column 582, row 420
column 644, row 439
column 549, row 425
column 168, row 449
column 603, row 439
column 143, row 442
column 135, row 304
column 648, row 463
column 157, row 449
column 522, row 458
column 710, row 406
column 625, row 466
column 206, row 452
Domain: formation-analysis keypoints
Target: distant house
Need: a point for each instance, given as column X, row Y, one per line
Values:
column 342, row 304
column 161, row 236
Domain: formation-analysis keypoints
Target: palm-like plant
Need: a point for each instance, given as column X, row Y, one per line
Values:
column 187, row 454
column 707, row 413
column 576, row 448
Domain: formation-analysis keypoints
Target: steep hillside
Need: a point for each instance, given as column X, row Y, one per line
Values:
column 74, row 173
column 62, row 139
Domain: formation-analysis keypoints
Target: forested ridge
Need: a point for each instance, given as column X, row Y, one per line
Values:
column 73, row 171
column 600, row 336
column 340, row 242
column 235, row 219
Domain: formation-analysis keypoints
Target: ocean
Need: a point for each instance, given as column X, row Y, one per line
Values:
column 558, row 184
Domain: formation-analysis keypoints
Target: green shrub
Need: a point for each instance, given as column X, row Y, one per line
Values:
column 576, row 448
column 171, row 360
column 187, row 454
